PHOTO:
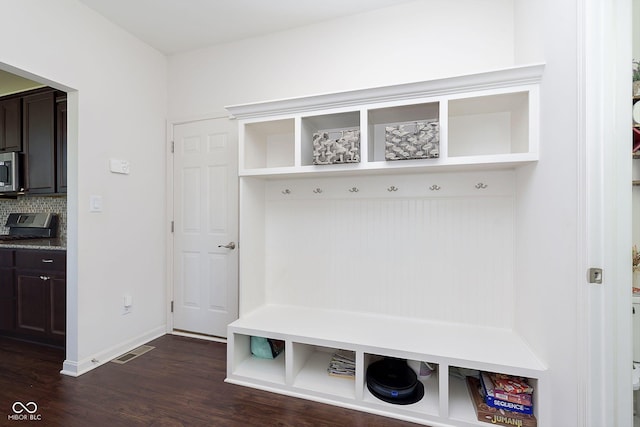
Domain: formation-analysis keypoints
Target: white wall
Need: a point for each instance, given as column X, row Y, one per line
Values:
column 548, row 212
column 415, row 41
column 636, row 29
column 118, row 111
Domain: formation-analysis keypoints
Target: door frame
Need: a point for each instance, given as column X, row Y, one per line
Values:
column 604, row 311
column 171, row 124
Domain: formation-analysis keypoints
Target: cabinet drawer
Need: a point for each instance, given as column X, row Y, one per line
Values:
column 6, row 258
column 42, row 260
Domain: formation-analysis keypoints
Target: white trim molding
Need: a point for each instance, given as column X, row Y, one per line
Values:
column 522, row 75
column 76, row 368
column 604, row 120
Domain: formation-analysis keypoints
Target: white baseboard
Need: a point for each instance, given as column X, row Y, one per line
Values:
column 76, row 368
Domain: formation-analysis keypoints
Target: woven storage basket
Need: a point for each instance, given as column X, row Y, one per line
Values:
column 412, row 140
column 336, row 146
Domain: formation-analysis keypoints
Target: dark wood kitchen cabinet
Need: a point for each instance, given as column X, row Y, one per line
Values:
column 7, row 292
column 34, row 123
column 40, row 278
column 38, row 137
column 61, row 144
column 11, row 124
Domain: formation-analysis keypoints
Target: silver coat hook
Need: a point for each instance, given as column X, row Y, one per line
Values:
column 286, row 191
column 353, row 190
column 481, row 185
column 434, row 187
column 392, row 188
column 318, row 190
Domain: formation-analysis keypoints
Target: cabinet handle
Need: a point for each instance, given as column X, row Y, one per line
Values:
column 47, row 261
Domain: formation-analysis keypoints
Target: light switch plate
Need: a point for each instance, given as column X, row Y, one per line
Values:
column 95, row 203
column 119, row 166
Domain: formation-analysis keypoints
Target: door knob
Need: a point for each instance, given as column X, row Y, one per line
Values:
column 230, row 245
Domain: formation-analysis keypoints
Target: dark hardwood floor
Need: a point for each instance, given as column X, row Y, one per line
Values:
column 179, row 383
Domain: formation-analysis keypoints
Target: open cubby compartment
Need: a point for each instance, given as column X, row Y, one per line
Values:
column 461, row 407
column 379, row 118
column 309, row 366
column 246, row 365
column 427, row 406
column 268, row 144
column 487, row 125
column 334, row 123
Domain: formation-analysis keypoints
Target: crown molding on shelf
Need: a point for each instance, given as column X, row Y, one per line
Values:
column 507, row 77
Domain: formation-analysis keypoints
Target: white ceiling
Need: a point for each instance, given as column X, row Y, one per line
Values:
column 173, row 26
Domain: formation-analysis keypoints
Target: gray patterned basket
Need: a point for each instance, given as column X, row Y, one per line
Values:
column 412, row 140
column 336, row 146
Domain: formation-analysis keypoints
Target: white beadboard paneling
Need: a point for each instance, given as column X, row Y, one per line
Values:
column 425, row 185
column 444, row 258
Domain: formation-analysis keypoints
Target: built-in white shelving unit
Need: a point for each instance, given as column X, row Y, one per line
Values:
column 413, row 258
column 485, row 119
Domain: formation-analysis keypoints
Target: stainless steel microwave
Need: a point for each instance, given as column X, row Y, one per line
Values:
column 9, row 172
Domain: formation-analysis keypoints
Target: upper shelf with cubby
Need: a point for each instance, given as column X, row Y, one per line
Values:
column 481, row 119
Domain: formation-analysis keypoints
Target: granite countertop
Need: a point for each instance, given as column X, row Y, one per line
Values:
column 51, row 244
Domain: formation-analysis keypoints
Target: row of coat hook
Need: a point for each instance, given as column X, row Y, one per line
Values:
column 391, row 189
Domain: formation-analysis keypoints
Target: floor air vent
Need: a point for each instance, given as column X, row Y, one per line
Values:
column 136, row 352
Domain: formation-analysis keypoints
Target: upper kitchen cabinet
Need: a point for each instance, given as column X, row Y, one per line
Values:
column 38, row 114
column 61, row 144
column 10, row 124
column 44, row 142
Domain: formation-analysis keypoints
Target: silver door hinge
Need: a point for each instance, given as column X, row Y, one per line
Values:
column 595, row 276
column 172, row 146
column 172, row 306
column 172, row 226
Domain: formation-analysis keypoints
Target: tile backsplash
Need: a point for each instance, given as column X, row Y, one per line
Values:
column 28, row 204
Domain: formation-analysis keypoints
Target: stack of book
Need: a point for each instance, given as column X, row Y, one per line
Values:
column 342, row 364
column 502, row 399
column 507, row 392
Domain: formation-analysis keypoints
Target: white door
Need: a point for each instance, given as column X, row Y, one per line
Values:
column 205, row 270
